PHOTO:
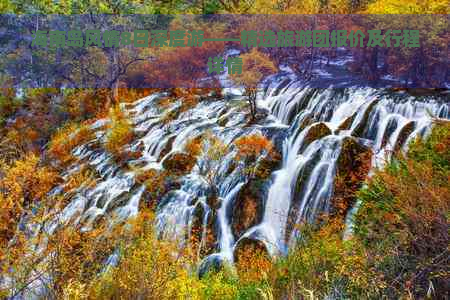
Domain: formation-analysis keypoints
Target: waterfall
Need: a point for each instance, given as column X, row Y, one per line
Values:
column 315, row 124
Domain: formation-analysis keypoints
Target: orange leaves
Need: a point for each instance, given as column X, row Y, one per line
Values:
column 154, row 182
column 254, row 265
column 21, row 183
column 194, row 146
column 252, row 146
column 120, row 132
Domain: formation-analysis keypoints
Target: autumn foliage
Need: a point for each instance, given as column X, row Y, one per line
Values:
column 119, row 133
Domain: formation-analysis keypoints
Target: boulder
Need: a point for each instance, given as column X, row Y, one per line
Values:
column 353, row 165
column 248, row 207
column 179, row 163
column 209, row 244
column 315, row 132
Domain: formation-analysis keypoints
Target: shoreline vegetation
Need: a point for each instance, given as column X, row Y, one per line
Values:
column 399, row 247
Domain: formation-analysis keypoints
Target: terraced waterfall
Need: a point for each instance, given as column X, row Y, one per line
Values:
column 316, row 132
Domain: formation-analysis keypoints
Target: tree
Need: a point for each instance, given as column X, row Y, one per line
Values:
column 256, row 65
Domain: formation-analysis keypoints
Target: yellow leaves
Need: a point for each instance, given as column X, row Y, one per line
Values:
column 120, row 131
column 216, row 148
column 185, row 286
column 256, row 65
column 253, row 265
column 21, row 183
column 74, row 290
column 408, row 7
column 83, row 177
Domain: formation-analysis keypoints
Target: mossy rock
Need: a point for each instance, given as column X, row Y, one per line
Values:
column 213, row 201
column 267, row 165
column 309, row 120
column 222, row 121
column 403, row 135
column 360, row 129
column 209, row 245
column 347, row 123
column 248, row 207
column 315, row 132
column 390, row 129
column 301, row 105
column 353, row 165
column 211, row 264
column 300, row 188
column 179, row 163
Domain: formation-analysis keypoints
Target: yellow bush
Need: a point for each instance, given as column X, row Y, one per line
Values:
column 120, row 132
column 21, row 184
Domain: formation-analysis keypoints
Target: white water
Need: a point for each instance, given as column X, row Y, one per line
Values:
column 294, row 110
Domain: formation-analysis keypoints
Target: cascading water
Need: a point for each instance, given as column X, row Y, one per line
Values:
column 315, row 125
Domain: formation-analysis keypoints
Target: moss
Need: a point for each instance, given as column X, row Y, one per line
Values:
column 315, row 132
column 347, row 123
column 120, row 133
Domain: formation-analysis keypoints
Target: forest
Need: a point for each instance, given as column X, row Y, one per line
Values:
column 133, row 173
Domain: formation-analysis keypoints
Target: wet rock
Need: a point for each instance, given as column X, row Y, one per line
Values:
column 405, row 132
column 167, row 148
column 301, row 104
column 300, row 187
column 281, row 86
column 308, row 120
column 315, row 132
column 347, row 123
column 222, row 121
column 390, row 129
column 277, row 135
column 208, row 245
column 231, row 167
column 213, row 201
column 248, row 207
column 353, row 165
column 179, row 163
column 361, row 128
column 267, row 165
column 249, row 245
column 121, row 200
